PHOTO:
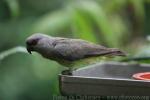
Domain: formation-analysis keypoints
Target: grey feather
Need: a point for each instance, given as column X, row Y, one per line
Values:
column 75, row 49
column 57, row 48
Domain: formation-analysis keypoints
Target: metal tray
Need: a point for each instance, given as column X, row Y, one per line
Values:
column 106, row 79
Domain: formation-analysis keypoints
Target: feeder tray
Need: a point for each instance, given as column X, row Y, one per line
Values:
column 106, row 79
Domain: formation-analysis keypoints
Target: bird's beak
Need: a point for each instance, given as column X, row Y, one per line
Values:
column 29, row 50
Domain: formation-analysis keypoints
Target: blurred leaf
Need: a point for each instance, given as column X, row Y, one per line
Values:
column 52, row 22
column 143, row 51
column 121, row 32
column 114, row 6
column 101, row 19
column 142, row 55
column 13, row 7
column 12, row 51
column 139, row 8
column 82, row 28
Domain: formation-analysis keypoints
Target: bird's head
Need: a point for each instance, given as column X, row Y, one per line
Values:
column 38, row 42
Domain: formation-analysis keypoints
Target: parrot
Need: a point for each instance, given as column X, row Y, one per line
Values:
column 69, row 52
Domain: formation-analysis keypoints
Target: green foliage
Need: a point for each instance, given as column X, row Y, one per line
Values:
column 52, row 22
column 117, row 23
column 13, row 6
column 12, row 51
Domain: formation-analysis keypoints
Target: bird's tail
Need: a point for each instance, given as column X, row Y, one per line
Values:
column 116, row 52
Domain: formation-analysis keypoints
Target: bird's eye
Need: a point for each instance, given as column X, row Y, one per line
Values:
column 32, row 42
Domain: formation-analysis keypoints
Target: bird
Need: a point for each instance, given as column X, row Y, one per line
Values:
column 69, row 52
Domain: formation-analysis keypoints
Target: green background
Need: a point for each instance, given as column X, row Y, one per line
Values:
column 123, row 24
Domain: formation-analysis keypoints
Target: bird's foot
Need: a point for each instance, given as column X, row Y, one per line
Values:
column 67, row 72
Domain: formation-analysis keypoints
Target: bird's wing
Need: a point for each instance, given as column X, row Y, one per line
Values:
column 75, row 49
